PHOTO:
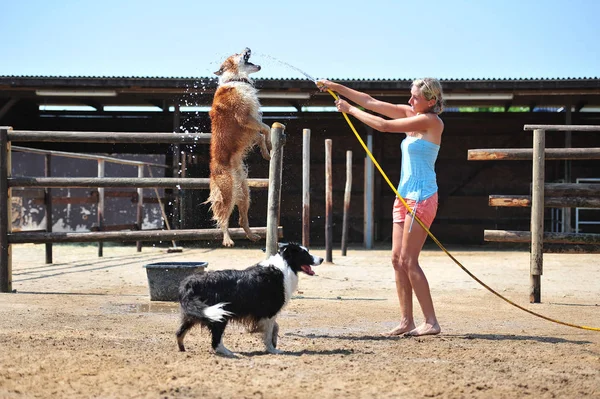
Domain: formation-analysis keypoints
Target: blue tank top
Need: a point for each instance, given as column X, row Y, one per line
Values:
column 417, row 176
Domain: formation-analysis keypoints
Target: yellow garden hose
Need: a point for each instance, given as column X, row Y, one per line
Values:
column 439, row 243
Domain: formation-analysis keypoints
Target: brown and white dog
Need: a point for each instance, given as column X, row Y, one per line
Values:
column 237, row 127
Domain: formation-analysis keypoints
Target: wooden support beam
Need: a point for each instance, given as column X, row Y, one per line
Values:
column 109, row 137
column 121, row 182
column 524, row 201
column 590, row 190
column 564, row 128
column 117, row 227
column 143, row 235
column 296, row 105
column 162, row 104
column 94, row 104
column 526, row 154
column 549, row 238
column 7, row 106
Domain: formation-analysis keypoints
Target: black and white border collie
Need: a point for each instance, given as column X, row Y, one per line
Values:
column 252, row 297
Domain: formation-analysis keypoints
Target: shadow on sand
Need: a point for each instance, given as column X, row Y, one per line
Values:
column 511, row 337
column 488, row 337
column 300, row 353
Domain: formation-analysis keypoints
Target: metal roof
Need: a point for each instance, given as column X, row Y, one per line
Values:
column 297, row 92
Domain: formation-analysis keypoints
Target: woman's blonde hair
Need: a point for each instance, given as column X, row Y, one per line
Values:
column 431, row 88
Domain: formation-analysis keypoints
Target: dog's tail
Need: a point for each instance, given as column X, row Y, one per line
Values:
column 201, row 311
column 216, row 182
column 225, row 186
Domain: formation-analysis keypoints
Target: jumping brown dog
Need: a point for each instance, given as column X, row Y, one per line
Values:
column 237, row 127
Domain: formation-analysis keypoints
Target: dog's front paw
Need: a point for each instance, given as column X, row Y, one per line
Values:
column 227, row 242
column 223, row 351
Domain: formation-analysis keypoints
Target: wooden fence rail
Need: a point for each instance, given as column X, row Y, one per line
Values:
column 549, row 202
column 108, row 137
column 7, row 238
column 550, row 238
column 526, row 154
column 564, row 195
column 121, row 182
column 123, row 236
column 85, row 156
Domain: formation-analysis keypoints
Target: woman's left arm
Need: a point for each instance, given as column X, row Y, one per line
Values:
column 415, row 123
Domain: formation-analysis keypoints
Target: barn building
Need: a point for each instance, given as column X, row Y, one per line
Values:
column 480, row 113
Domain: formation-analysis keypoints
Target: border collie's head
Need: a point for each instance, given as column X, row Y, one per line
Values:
column 237, row 66
column 298, row 258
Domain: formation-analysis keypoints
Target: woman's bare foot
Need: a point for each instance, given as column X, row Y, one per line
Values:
column 399, row 330
column 424, row 329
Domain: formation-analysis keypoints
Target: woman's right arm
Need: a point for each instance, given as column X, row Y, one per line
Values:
column 394, row 111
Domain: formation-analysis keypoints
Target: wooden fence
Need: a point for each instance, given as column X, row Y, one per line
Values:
column 7, row 237
column 97, row 197
column 564, row 195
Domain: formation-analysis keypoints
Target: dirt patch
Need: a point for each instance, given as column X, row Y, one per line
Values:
column 85, row 327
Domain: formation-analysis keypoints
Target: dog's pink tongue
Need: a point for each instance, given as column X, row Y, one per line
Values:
column 308, row 270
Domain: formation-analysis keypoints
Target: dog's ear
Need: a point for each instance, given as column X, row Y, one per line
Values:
column 282, row 245
column 219, row 72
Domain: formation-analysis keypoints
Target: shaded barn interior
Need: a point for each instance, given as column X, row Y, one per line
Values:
column 464, row 186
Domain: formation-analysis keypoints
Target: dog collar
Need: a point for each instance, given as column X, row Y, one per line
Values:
column 243, row 80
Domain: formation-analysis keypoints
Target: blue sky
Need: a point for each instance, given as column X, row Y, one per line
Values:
column 353, row 39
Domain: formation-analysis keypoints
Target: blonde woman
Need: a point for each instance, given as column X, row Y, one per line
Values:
column 418, row 186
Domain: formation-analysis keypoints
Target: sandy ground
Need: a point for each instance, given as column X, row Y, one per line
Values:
column 84, row 327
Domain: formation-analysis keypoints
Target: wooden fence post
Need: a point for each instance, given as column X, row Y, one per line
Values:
column 328, row 203
column 347, row 196
column 176, row 171
column 306, row 187
column 100, row 207
column 369, row 204
column 48, row 205
column 5, row 209
column 537, row 216
column 140, row 207
column 275, row 175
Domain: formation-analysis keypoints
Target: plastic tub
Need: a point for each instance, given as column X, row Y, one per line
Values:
column 164, row 278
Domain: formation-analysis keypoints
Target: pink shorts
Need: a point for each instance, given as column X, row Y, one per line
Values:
column 426, row 210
